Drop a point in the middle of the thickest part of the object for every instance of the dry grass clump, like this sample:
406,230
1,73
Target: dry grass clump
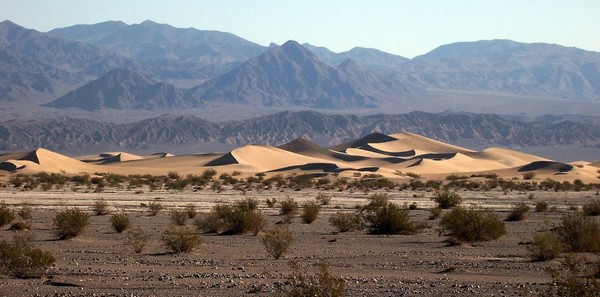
541,206
191,211
25,212
178,217
519,212
324,199
19,259
345,222
277,241
70,222
6,214
446,199
180,239
472,225
323,284
592,208
137,239
580,233
310,211
154,208
120,222
288,206
271,202
545,247
100,207
435,213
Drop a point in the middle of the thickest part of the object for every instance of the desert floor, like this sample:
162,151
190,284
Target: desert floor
99,262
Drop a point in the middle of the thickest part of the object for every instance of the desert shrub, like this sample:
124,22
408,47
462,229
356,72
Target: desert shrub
324,199
446,199
288,206
592,208
580,233
323,284
277,241
180,239
25,212
541,206
574,278
154,208
209,223
119,221
271,202
6,214
232,219
254,222
545,247
70,222
100,207
390,219
435,213
190,209
247,204
345,222
413,206
528,175
137,239
178,217
18,258
378,200
20,226
471,225
519,212
310,211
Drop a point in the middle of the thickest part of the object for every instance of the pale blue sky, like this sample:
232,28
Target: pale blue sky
406,28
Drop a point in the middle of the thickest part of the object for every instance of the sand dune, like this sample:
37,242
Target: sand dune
383,154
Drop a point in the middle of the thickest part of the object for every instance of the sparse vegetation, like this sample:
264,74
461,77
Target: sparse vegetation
323,284
70,222
574,278
180,239
100,207
137,239
155,208
233,219
545,247
324,199
25,212
19,259
541,206
120,221
277,241
471,225
435,213
592,208
345,222
528,175
310,211
580,233
271,202
389,219
178,216
446,199
288,206
6,214
519,212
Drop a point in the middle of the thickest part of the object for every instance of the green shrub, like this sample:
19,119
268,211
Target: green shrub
288,206
541,206
545,247
6,214
277,241
190,209
25,212
180,239
345,222
137,239
471,225
520,211
390,219
592,208
528,175
18,258
580,233
378,200
310,211
178,217
574,278
70,222
120,222
232,219
324,199
209,223
154,208
247,204
322,284
100,207
446,199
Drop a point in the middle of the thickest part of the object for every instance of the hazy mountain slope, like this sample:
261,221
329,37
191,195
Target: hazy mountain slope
88,33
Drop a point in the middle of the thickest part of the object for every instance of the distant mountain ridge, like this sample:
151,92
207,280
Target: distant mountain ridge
168,131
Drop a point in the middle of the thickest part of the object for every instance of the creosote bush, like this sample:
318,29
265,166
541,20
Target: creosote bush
435,213
288,206
277,241
580,233
324,199
178,217
25,212
100,207
271,202
119,221
323,284
545,247
137,239
389,219
70,222
239,218
154,208
18,258
519,212
180,239
446,199
541,206
310,211
345,222
574,278
191,211
592,208
6,214
471,225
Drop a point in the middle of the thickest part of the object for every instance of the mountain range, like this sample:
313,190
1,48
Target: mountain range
166,67
189,133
